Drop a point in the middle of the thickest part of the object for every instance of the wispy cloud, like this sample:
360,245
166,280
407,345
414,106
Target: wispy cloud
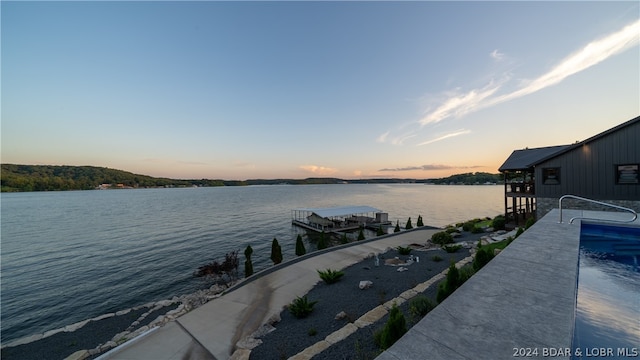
446,136
458,105
496,55
430,167
319,170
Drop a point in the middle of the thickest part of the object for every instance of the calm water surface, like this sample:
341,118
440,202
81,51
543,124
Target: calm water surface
70,256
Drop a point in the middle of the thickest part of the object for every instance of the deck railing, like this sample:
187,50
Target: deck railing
635,215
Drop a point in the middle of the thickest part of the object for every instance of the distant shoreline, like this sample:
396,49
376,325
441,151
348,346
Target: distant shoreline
31,178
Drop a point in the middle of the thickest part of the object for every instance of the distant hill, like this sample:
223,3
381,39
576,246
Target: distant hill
16,178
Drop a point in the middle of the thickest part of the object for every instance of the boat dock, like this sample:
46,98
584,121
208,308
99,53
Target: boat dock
339,219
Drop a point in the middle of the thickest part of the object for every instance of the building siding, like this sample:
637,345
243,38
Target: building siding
589,170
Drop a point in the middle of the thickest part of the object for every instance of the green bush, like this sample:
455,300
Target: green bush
529,223
276,252
420,306
344,239
465,273
300,250
393,330
519,232
498,222
468,226
408,225
442,238
330,276
361,235
483,256
248,264
404,250
476,230
312,332
379,232
397,228
301,307
322,242
452,248
436,258
450,284
450,230
419,222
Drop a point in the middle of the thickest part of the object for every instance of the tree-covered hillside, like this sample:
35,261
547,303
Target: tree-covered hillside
51,178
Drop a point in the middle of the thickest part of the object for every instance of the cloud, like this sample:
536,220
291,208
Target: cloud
430,167
319,170
496,55
459,104
456,104
446,136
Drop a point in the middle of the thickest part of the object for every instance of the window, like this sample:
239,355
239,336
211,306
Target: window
627,174
551,176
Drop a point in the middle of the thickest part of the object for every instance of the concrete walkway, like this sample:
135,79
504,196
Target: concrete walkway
212,330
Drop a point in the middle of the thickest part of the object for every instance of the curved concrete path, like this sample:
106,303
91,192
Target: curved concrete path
212,330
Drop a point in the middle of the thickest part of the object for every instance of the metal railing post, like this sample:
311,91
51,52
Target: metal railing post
635,215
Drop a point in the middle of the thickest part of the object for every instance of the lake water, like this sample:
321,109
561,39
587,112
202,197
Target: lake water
70,256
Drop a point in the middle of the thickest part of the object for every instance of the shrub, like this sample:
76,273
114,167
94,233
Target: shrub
221,272
393,330
436,258
468,226
465,273
451,229
452,248
476,230
248,265
397,228
450,284
300,250
404,250
408,225
344,239
483,256
330,276
519,232
322,242
442,238
276,252
419,222
301,307
379,232
312,332
361,235
420,306
529,223
498,222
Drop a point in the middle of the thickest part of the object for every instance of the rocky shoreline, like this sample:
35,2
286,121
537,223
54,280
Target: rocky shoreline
90,338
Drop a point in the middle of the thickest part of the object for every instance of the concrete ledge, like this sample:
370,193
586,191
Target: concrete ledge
524,298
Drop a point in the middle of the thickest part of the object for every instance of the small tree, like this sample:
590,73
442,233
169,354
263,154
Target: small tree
344,239
419,223
322,242
397,229
393,330
276,252
408,226
379,232
248,265
300,250
361,234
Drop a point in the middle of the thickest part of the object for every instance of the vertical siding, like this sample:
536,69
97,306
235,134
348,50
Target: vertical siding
589,170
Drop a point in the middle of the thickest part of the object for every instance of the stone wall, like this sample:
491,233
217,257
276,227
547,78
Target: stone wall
544,205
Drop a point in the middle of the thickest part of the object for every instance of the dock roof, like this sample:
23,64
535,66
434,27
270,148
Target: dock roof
340,210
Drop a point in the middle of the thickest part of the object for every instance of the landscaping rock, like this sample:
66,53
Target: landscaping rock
365,284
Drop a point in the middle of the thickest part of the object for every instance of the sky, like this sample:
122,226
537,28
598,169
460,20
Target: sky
354,90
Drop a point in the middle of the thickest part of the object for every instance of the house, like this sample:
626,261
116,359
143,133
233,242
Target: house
603,167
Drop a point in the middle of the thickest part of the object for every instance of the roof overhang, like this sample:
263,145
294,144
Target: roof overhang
340,211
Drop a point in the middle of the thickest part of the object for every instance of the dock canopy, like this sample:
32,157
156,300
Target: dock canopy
340,211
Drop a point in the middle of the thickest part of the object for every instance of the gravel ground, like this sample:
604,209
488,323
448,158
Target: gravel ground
90,336
293,335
